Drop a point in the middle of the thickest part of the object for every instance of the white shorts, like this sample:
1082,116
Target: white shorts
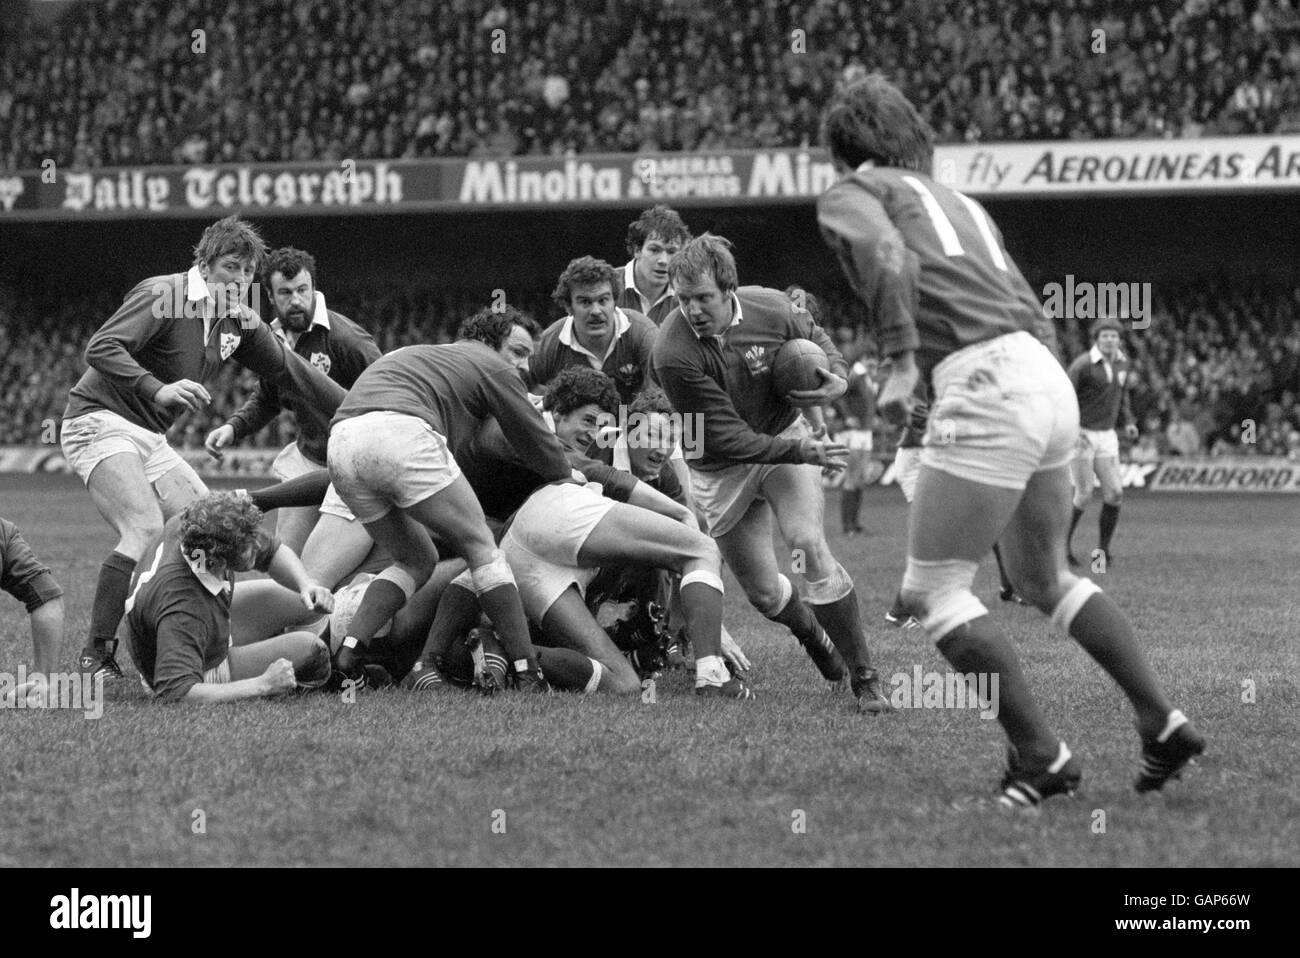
543,543
217,675
907,468
858,471
1097,444
91,438
1004,409
291,463
723,497
383,460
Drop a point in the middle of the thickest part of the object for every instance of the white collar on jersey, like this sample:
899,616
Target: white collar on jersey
629,282
320,316
621,325
199,567
1095,355
736,316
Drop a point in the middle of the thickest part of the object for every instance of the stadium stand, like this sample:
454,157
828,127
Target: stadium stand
120,82
1215,355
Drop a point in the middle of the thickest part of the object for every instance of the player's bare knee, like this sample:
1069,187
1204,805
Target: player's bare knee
1040,587
1112,497
939,593
809,548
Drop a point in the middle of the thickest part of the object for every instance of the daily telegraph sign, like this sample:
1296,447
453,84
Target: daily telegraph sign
726,178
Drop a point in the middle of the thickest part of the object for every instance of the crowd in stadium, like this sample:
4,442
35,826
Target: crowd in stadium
119,83
1215,356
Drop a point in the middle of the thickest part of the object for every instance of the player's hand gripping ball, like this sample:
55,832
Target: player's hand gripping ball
795,368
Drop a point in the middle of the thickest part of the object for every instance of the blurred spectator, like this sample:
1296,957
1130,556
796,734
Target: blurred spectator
1183,438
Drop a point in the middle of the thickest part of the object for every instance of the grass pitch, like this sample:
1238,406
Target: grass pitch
795,778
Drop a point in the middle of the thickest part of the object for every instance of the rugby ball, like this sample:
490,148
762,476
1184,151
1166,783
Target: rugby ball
796,365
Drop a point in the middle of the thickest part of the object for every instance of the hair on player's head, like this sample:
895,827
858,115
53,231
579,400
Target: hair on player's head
576,386
650,400
289,262
230,236
870,119
806,301
221,524
659,220
583,271
492,326
706,255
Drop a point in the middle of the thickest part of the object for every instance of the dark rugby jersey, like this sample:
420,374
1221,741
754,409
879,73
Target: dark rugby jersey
503,479
929,264
1103,396
158,336
336,346
727,379
22,575
177,623
454,388
627,362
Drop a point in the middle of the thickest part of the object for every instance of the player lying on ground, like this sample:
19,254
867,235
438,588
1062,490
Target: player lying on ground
332,343
561,534
148,364
29,581
651,441
391,460
177,622
1100,378
714,358
950,306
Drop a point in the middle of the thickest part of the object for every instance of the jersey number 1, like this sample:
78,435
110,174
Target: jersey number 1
947,233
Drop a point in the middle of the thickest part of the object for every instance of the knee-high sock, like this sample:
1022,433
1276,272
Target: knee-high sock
504,607
1074,521
798,616
457,613
380,603
566,669
306,490
1002,570
979,647
842,620
110,601
702,608
1106,524
1105,634
850,506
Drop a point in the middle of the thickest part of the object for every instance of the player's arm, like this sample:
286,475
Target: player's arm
504,397
260,351
358,352
648,497
835,380
1126,418
726,435
142,317
281,563
878,264
258,410
544,365
624,487
178,666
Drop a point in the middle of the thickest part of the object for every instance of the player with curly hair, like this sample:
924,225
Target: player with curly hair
177,622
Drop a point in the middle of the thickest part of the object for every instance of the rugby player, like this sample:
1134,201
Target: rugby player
29,581
148,364
561,534
950,306
653,238
332,343
714,358
177,622
392,459
1100,378
596,332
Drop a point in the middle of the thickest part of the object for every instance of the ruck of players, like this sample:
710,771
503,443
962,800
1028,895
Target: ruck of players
529,511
